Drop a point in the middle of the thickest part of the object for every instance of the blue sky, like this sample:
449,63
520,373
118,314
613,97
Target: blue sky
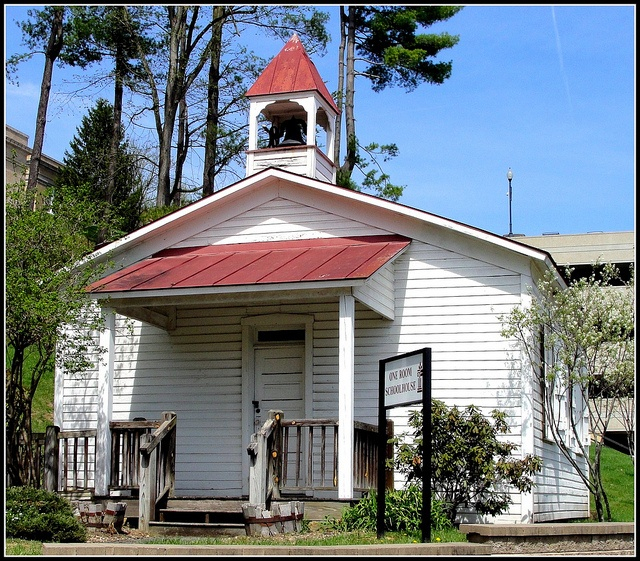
548,91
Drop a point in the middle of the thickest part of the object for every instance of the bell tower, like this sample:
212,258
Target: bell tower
292,117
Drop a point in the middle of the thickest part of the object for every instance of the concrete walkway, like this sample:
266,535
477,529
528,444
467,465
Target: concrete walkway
385,550
495,540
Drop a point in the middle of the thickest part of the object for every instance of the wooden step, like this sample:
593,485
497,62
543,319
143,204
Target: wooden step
196,529
210,517
200,516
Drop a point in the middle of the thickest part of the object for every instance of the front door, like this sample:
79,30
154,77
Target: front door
279,380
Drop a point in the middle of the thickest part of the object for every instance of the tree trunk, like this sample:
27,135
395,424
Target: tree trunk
341,69
120,69
350,122
19,450
181,151
182,41
213,101
177,23
54,47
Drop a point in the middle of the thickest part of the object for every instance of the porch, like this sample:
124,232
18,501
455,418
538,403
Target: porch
290,459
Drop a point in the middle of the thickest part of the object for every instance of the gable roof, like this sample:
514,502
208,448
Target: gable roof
291,261
291,71
388,216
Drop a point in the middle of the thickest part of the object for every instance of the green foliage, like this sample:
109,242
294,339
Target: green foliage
379,184
396,51
152,213
403,513
471,466
84,178
44,292
579,344
35,514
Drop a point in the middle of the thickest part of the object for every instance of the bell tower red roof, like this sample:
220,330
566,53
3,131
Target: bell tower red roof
291,71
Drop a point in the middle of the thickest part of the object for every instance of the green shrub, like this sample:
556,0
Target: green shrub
403,513
471,466
36,514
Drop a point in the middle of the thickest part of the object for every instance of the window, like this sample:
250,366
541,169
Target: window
281,335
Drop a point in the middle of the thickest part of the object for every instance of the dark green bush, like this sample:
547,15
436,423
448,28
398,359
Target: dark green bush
403,513
471,465
39,515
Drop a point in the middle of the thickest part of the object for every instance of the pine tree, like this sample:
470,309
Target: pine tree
85,177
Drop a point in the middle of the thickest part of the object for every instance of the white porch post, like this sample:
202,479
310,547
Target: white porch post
105,404
345,396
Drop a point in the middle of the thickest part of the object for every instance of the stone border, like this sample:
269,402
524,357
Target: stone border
552,538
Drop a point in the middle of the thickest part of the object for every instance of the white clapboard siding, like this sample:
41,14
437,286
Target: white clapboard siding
431,296
557,473
279,219
195,371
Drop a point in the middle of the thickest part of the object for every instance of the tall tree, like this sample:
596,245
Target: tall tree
580,345
108,33
68,36
45,30
225,139
43,292
91,174
389,41
195,37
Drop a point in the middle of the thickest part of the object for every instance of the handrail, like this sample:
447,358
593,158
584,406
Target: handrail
158,435
157,469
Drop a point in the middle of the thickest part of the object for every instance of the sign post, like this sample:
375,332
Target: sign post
405,380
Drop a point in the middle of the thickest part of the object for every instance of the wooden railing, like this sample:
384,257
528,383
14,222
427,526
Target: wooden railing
125,451
65,460
157,469
301,455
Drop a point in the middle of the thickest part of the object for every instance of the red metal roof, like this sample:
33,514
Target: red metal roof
291,71
256,263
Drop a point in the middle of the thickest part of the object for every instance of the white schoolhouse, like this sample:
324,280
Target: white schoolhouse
283,291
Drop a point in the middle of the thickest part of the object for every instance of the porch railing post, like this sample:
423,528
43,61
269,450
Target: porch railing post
170,477
51,451
257,472
264,472
275,454
147,494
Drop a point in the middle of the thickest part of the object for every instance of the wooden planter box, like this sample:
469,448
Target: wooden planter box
281,518
97,516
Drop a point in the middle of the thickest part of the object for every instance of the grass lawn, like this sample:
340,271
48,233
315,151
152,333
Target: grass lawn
24,547
618,481
42,406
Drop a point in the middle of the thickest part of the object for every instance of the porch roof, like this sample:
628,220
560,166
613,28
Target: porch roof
290,261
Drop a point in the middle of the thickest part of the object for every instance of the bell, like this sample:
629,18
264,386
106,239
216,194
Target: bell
293,132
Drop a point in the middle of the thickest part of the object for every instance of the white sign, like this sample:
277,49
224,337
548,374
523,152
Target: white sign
403,381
